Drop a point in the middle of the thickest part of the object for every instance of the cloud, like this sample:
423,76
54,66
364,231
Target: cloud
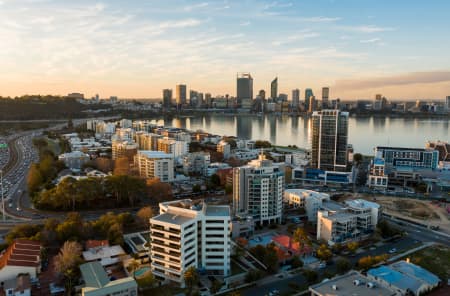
366,29
196,6
180,24
243,24
320,19
277,4
398,80
301,36
372,40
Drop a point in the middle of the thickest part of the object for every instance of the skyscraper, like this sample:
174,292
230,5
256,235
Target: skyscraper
258,190
193,96
329,140
167,98
447,103
312,104
325,96
181,94
244,87
262,94
274,89
308,94
295,97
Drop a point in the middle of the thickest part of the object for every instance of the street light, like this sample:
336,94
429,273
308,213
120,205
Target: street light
3,201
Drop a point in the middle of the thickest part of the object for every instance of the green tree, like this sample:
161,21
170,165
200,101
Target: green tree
324,253
190,278
134,265
343,265
296,262
34,178
270,258
352,247
67,263
144,215
196,188
26,231
215,180
71,229
311,275
301,237
357,158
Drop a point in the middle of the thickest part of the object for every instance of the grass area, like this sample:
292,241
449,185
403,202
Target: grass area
53,146
435,259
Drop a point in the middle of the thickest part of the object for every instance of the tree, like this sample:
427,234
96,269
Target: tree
144,216
270,258
215,180
27,231
311,275
296,262
196,188
343,265
67,262
121,166
352,246
324,253
134,265
158,191
357,158
34,178
71,229
301,237
190,278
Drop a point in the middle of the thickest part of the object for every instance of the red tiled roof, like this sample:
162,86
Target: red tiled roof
21,252
90,244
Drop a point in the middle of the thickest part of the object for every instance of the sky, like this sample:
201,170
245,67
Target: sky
135,48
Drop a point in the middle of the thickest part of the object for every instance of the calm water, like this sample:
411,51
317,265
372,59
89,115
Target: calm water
364,133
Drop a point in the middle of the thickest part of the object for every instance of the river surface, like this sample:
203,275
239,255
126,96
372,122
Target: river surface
365,133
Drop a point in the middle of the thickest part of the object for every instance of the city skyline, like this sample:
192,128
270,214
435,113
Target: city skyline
134,50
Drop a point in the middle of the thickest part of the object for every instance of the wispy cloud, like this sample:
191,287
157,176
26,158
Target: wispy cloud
319,19
191,22
402,79
243,24
277,4
372,40
366,29
196,6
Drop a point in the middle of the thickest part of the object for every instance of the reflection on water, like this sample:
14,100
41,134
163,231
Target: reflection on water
364,133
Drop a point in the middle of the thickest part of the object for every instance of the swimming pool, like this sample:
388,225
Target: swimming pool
141,271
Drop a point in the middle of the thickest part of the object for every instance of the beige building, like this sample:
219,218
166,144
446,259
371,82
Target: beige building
123,148
155,164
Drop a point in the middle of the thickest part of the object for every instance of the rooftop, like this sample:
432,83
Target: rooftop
102,252
352,283
154,154
416,271
395,278
95,278
361,204
217,210
172,218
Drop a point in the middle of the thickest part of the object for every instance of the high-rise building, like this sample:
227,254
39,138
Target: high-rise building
325,97
308,94
155,164
174,147
181,94
262,94
447,103
274,89
244,87
295,97
123,148
329,140
208,100
187,234
258,189
167,98
193,97
312,104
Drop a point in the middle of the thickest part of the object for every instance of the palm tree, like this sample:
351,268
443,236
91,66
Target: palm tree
190,278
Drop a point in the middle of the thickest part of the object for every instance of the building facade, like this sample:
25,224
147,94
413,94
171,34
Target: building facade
186,234
309,200
258,190
181,94
167,98
410,158
329,140
274,89
244,86
155,164
196,163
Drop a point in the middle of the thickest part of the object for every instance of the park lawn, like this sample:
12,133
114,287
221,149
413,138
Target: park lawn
435,259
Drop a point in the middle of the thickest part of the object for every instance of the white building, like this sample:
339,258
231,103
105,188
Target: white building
126,134
125,123
215,166
74,160
21,257
155,164
105,255
258,190
224,148
196,163
377,177
174,147
187,234
341,223
309,200
246,154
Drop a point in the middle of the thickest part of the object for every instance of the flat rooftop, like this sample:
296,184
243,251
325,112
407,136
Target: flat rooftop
345,286
217,210
155,154
172,218
361,204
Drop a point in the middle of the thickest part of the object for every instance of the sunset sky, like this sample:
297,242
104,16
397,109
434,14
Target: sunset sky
135,48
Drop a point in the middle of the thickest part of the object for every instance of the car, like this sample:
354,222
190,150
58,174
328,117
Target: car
18,209
392,251
322,265
274,292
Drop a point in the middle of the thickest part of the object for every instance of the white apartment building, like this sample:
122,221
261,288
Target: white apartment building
126,134
155,164
341,223
188,233
258,189
74,160
377,177
224,148
309,200
196,163
174,147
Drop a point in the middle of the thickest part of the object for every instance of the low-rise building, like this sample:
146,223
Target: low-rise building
123,148
21,257
224,148
309,200
74,160
19,286
196,163
377,177
104,254
216,166
242,227
318,176
405,278
174,147
188,233
351,283
98,283
155,164
245,154
340,223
